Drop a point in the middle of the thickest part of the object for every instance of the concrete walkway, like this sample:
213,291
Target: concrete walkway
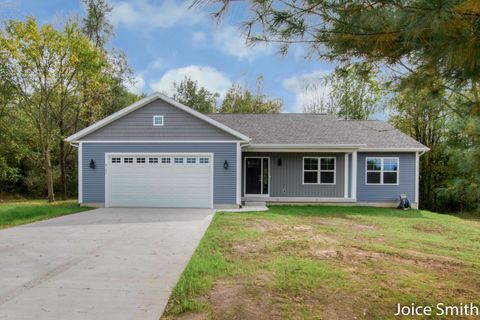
101,264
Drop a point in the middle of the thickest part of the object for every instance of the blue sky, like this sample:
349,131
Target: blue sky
166,40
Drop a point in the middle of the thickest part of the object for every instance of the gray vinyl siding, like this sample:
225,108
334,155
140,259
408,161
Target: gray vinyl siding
287,180
387,193
178,125
224,190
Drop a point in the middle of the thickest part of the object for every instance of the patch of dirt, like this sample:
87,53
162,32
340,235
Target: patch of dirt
432,229
362,227
235,301
192,316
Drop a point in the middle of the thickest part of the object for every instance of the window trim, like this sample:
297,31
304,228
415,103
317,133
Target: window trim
319,171
382,171
158,117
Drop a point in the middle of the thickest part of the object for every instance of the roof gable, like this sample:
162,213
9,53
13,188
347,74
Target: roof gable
135,123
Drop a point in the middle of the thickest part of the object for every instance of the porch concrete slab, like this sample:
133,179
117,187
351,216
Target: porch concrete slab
115,263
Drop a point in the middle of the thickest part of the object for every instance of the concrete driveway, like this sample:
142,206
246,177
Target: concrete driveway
102,264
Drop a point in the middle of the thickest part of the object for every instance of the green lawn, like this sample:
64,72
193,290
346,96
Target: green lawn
16,213
327,262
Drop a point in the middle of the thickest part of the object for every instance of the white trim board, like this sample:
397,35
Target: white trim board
80,173
161,141
145,101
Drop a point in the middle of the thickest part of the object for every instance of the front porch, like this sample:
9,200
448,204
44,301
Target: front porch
299,177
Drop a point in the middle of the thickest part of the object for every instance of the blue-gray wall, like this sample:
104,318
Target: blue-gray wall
224,191
287,180
386,193
178,125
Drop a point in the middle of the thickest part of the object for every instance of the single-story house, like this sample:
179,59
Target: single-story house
160,153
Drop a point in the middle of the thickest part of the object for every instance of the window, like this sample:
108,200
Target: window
203,160
116,160
381,171
327,170
319,170
310,170
127,160
191,160
140,160
178,160
158,121
165,160
152,160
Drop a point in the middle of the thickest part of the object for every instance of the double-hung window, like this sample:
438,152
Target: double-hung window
319,170
381,170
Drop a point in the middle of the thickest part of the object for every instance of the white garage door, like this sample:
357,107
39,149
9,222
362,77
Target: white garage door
159,180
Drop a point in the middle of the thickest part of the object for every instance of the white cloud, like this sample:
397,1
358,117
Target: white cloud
208,77
231,41
199,36
309,89
158,63
137,85
142,14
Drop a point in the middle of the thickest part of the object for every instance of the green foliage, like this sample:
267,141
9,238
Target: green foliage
95,24
198,98
355,93
241,100
46,69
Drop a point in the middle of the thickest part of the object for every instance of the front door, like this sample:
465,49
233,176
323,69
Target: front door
257,176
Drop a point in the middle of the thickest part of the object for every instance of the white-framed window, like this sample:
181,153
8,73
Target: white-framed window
158,121
203,160
191,160
381,170
319,170
127,160
152,160
166,160
116,160
178,160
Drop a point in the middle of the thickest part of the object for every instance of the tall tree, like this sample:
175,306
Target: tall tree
421,110
354,92
191,94
96,24
46,69
241,100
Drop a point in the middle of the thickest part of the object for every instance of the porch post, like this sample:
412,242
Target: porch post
345,189
239,174
354,175
417,177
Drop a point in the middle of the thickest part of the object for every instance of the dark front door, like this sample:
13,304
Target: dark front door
256,176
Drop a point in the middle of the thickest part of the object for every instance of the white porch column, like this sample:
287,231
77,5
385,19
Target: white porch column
345,189
354,175
80,172
239,174
417,177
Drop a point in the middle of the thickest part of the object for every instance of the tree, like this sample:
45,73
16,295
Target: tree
354,92
46,68
198,98
422,112
96,25
240,100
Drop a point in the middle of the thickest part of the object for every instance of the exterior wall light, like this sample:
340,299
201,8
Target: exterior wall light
225,165
92,164
279,162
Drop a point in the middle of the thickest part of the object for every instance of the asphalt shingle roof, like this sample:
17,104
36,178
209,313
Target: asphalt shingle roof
291,128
